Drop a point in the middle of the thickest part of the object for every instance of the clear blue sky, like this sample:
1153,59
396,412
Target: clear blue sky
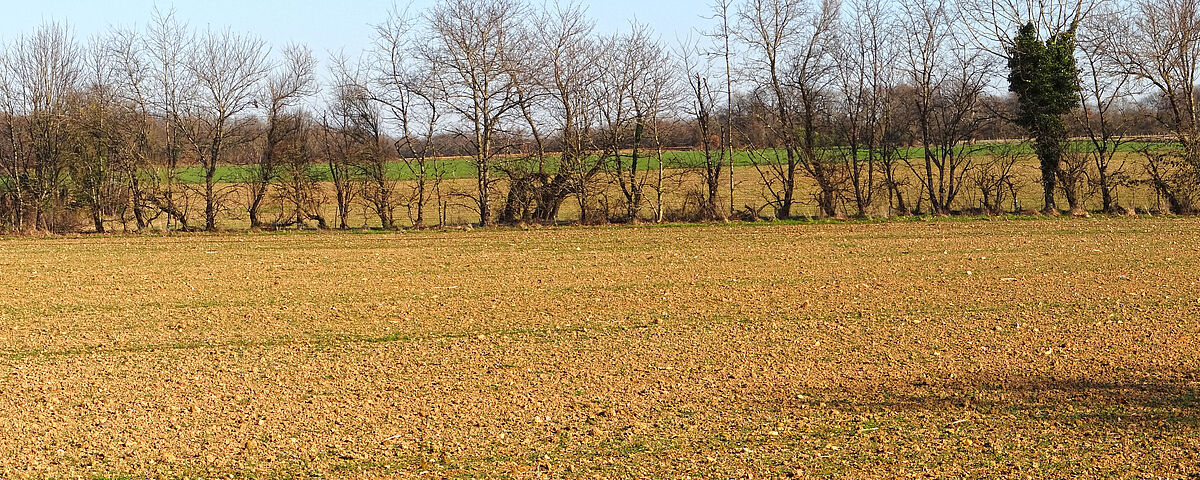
324,25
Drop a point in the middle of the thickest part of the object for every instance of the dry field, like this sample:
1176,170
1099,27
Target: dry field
679,183
1052,348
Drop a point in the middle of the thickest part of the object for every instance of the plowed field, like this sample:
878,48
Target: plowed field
1052,348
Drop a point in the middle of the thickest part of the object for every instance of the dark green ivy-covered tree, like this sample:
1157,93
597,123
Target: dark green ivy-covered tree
1043,75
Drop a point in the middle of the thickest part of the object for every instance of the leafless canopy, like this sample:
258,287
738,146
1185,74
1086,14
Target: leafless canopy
507,111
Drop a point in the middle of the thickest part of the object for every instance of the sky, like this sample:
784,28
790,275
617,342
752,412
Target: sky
324,25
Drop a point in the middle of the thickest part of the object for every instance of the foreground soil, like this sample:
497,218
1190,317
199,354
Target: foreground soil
1053,348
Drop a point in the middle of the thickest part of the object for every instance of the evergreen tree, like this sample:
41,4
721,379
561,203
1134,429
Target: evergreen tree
1043,75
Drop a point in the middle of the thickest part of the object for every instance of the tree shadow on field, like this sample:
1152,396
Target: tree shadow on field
1016,426
1152,402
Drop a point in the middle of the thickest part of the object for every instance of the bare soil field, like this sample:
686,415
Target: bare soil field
1048,349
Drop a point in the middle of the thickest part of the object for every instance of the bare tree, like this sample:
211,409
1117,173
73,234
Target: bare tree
97,143
1161,48
789,58
340,144
1104,91
992,25
288,85
380,183
558,54
133,84
995,178
162,97
226,69
708,130
863,131
723,11
948,78
41,72
470,44
631,67
300,182
368,151
569,82
405,86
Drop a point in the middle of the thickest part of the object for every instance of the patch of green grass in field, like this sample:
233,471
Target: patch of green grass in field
463,167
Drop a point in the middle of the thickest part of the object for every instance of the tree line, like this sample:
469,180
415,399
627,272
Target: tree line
878,105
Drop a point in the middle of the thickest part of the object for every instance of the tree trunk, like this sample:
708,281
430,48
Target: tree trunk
1050,154
253,210
97,219
784,211
1106,193
210,203
485,190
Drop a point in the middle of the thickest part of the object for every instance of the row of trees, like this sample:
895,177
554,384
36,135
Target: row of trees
878,104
